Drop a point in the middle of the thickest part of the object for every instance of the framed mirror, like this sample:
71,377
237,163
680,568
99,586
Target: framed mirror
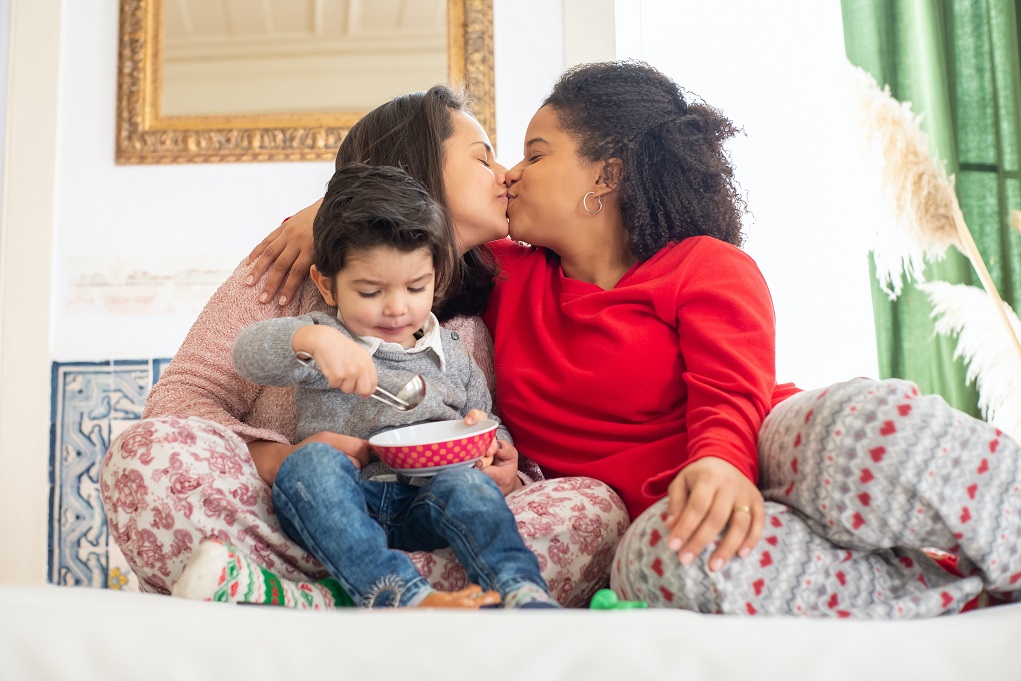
189,70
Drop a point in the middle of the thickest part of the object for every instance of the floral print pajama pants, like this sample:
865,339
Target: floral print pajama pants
863,482
168,483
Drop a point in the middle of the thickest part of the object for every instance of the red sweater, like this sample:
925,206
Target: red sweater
629,385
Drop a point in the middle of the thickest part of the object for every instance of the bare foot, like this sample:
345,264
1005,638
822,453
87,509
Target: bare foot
471,597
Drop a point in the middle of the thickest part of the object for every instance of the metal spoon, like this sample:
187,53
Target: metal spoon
408,397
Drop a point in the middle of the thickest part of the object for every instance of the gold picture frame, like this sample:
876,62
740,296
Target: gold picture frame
145,136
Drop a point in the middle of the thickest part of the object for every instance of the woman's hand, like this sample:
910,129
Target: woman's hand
287,254
501,460
503,468
268,456
707,496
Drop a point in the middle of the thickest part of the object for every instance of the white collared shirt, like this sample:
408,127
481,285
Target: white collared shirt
430,340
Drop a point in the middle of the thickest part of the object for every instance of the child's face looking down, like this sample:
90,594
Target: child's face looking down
385,293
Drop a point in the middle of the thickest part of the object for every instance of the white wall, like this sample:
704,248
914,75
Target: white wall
777,70
163,221
529,55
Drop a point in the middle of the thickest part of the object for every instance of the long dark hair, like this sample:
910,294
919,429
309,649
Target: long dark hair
409,132
677,177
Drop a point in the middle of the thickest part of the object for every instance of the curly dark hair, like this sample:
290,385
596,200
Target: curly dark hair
677,179
366,207
408,132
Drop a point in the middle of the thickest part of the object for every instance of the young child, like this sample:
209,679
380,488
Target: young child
382,248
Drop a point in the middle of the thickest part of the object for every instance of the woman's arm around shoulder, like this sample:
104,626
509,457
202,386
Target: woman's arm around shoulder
284,257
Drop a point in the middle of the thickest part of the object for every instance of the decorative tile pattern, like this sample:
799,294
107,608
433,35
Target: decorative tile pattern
91,403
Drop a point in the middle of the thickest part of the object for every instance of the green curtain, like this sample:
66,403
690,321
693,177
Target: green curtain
957,63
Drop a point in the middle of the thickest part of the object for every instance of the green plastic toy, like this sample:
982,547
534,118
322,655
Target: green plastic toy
605,599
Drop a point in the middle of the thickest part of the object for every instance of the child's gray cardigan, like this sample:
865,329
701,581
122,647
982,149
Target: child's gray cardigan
263,354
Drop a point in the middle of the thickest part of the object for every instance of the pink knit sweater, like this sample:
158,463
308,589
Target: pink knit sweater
200,381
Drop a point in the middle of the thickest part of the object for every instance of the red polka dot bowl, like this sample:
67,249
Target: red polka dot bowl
425,448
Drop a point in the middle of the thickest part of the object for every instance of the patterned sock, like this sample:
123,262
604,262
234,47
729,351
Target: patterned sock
219,572
529,596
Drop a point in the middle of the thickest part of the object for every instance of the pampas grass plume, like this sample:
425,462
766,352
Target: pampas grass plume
921,195
992,360
914,182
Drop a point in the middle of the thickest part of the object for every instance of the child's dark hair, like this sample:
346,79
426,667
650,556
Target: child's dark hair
409,132
677,178
366,207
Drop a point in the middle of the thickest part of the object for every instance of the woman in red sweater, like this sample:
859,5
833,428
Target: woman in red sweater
634,343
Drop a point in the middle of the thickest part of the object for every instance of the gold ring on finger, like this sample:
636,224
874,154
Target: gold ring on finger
742,509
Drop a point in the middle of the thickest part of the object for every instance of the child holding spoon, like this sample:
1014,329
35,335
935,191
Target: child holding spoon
382,250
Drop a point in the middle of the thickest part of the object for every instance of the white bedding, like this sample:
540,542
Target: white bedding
64,633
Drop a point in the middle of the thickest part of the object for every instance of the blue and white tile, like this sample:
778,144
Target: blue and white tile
91,403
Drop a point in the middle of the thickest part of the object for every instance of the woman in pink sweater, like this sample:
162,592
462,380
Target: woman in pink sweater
200,464
634,343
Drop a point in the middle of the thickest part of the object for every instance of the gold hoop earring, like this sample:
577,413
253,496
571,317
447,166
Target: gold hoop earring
584,203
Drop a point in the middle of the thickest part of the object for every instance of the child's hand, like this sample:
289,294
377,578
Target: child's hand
501,459
346,366
474,416
708,496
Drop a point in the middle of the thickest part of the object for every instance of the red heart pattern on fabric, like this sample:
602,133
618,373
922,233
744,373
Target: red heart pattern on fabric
854,444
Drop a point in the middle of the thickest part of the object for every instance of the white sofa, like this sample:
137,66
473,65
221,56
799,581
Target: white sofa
67,633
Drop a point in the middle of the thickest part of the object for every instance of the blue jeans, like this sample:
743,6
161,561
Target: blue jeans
355,526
